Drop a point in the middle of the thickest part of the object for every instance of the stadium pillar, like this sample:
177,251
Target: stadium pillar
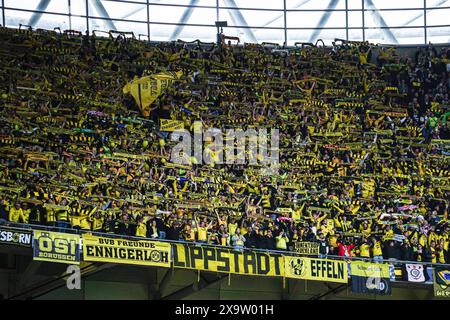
346,20
163,284
425,21
3,13
87,16
363,21
28,274
285,24
331,290
148,20
193,288
70,14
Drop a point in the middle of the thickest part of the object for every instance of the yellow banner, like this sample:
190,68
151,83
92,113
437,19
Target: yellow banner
217,259
441,282
141,252
146,90
303,247
170,125
369,270
56,247
316,269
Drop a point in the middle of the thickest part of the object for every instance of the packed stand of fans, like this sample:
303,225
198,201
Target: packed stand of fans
364,146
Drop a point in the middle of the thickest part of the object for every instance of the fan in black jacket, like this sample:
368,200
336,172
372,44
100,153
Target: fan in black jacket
173,231
407,252
269,241
391,250
250,238
260,242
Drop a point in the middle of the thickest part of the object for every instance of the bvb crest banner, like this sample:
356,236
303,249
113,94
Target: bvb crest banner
141,252
316,269
442,282
226,260
56,247
146,90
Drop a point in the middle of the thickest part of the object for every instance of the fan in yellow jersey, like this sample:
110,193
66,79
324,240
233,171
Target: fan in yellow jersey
362,147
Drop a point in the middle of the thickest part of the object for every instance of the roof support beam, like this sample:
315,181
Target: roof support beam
192,288
36,16
296,6
163,284
184,19
53,283
380,21
323,20
129,14
104,14
439,3
336,290
239,18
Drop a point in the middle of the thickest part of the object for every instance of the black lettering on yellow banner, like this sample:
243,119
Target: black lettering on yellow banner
304,247
170,125
263,263
142,252
226,260
316,269
221,257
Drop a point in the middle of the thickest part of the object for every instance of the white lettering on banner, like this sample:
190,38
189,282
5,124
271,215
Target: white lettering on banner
375,283
74,280
15,237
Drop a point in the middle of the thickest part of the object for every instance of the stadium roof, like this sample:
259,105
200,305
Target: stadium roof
379,21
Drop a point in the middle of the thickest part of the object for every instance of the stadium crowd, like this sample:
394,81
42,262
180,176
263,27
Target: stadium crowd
364,144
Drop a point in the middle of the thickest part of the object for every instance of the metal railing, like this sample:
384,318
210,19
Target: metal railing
27,227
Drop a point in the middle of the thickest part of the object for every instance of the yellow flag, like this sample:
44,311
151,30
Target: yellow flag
170,125
147,89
